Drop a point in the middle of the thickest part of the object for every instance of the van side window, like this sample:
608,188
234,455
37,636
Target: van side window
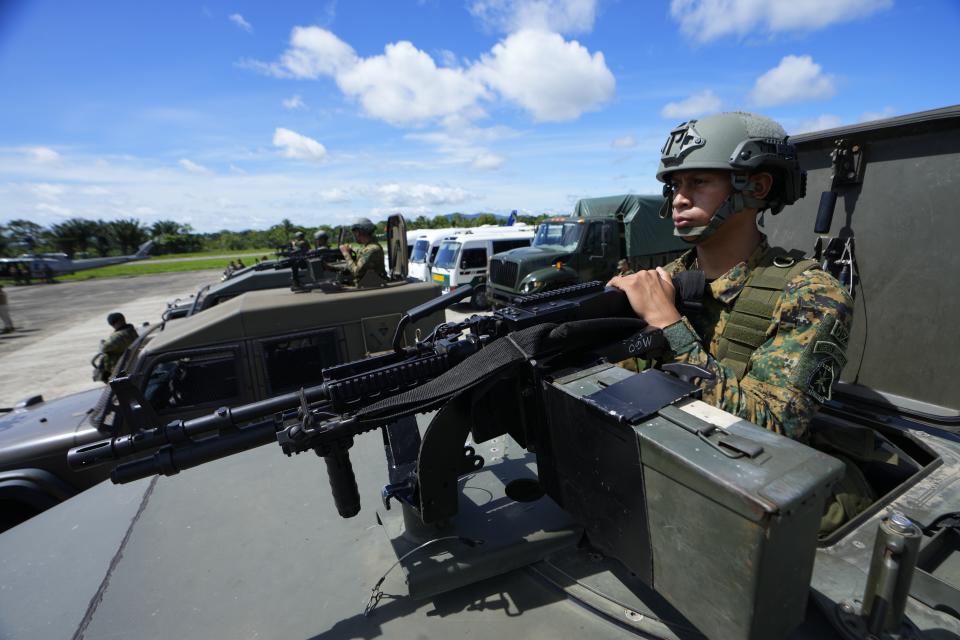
193,380
473,259
297,362
499,246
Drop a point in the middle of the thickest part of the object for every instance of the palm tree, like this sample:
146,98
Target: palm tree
129,234
72,235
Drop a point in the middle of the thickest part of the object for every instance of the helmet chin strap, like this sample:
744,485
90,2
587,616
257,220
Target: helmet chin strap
735,203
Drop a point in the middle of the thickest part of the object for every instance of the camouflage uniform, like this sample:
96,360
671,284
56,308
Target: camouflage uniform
789,374
114,346
369,260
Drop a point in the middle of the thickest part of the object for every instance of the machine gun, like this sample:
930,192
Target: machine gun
286,259
633,458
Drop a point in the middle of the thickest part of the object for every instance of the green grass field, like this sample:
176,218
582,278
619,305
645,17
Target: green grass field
269,252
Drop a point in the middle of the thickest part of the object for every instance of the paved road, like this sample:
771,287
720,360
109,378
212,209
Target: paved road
226,256
59,327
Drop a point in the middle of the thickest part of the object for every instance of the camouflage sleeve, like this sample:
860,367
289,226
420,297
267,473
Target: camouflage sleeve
790,373
359,266
114,345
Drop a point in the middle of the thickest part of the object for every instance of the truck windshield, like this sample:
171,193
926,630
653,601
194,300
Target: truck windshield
420,251
447,256
562,236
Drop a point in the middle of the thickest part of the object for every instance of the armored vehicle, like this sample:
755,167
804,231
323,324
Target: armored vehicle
587,501
586,246
265,275
254,346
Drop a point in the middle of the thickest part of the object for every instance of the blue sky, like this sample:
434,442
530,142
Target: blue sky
237,114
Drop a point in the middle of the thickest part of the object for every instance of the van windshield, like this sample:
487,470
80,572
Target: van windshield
447,256
420,250
562,236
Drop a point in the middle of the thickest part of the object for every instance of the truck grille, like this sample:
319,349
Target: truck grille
503,273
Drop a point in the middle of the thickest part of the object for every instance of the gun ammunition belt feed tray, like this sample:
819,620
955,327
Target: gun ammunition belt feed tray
712,511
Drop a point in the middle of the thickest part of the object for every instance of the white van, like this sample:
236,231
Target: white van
463,257
426,242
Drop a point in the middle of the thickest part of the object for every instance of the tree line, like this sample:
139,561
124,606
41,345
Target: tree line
79,237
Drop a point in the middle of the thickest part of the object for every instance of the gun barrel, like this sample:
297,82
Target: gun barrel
171,460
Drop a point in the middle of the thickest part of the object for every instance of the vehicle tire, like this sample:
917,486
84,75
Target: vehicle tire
479,300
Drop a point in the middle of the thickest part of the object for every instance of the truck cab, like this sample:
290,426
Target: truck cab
586,246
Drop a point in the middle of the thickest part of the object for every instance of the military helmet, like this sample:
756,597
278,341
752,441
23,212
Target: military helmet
740,142
321,234
362,224
298,235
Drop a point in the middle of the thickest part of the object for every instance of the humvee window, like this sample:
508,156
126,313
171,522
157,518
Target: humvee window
297,362
193,380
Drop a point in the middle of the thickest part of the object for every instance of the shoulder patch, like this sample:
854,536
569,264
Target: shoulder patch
820,383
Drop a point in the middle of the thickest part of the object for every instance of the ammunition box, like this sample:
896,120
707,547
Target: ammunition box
716,514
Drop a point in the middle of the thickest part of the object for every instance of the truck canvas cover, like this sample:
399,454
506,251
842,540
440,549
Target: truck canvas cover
646,233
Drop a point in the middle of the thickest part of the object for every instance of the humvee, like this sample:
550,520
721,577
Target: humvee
251,347
245,545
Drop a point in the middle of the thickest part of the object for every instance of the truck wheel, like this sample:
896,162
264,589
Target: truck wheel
479,300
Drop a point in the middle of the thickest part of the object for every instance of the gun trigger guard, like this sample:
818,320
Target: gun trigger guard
687,372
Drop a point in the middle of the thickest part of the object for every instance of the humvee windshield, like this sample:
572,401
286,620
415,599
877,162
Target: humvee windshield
562,236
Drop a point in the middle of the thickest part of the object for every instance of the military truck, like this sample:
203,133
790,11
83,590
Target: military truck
265,275
689,537
251,347
586,245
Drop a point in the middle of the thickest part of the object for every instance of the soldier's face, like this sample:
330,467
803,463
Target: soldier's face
697,195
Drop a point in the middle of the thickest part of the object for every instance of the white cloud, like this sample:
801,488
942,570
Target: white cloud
192,166
94,191
628,141
488,161
448,58
825,121
564,16
706,20
886,112
47,191
404,86
298,146
696,105
239,20
335,194
552,78
55,209
795,79
399,195
42,155
294,102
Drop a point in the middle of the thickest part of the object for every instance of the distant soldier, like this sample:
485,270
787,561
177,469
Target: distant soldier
623,268
298,247
321,240
367,267
4,312
47,273
240,264
113,347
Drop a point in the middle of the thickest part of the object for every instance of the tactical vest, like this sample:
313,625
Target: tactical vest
752,313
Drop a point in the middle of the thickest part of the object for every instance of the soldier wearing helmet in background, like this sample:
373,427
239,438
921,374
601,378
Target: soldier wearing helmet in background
773,327
367,268
321,240
299,247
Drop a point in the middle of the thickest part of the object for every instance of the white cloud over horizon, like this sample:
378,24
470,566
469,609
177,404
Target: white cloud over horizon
239,20
795,79
708,20
699,104
551,78
628,141
401,195
562,16
192,166
298,146
294,103
488,161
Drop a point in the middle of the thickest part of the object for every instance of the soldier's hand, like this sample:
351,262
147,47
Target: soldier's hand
651,295
345,250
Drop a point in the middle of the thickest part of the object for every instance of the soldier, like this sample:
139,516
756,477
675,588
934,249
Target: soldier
113,347
773,328
5,313
321,240
299,247
367,268
623,268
